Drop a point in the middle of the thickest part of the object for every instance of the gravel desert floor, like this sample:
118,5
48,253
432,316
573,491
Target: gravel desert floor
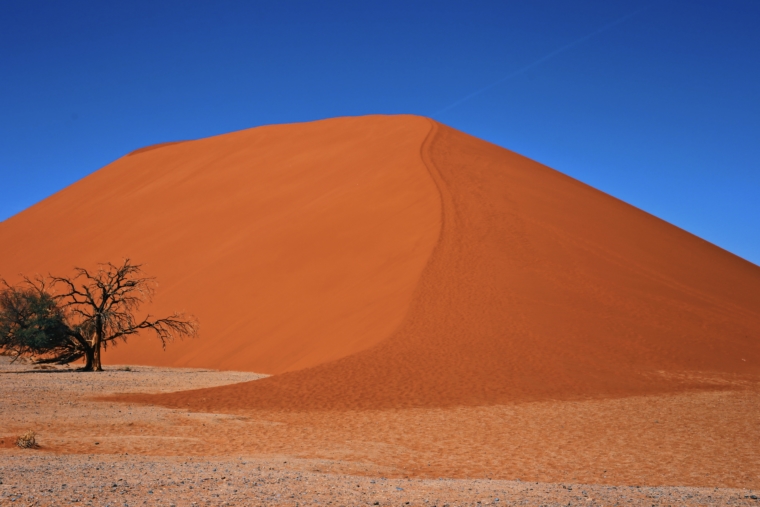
689,449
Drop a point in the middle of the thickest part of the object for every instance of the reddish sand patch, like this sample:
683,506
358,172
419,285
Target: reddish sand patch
292,244
539,287
694,438
8,442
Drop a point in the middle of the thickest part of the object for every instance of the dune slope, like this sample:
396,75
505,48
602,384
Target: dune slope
538,287
292,244
385,262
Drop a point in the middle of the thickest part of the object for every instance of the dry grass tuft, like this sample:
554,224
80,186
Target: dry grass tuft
28,440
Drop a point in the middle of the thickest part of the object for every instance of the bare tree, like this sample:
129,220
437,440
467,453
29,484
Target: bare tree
98,309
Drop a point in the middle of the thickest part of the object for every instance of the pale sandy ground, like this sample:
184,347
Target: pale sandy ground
115,480
102,453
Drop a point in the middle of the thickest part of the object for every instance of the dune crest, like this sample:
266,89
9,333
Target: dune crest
388,262
539,287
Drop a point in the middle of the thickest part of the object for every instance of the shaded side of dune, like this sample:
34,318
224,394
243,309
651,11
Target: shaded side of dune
539,287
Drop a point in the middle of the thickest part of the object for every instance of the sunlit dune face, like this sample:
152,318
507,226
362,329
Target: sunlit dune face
293,245
389,262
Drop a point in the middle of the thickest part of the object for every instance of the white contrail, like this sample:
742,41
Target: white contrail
538,62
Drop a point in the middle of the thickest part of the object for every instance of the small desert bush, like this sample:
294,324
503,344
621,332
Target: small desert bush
27,440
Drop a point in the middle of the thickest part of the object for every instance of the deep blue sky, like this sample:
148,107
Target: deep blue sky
657,103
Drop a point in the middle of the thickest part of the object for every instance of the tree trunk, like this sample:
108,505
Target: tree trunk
77,336
96,356
97,340
88,359
96,343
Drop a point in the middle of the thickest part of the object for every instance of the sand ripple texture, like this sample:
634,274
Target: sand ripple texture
594,452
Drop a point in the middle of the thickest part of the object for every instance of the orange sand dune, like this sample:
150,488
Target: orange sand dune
386,262
538,287
293,244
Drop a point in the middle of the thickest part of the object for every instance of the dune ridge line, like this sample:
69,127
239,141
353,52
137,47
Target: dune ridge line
539,287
